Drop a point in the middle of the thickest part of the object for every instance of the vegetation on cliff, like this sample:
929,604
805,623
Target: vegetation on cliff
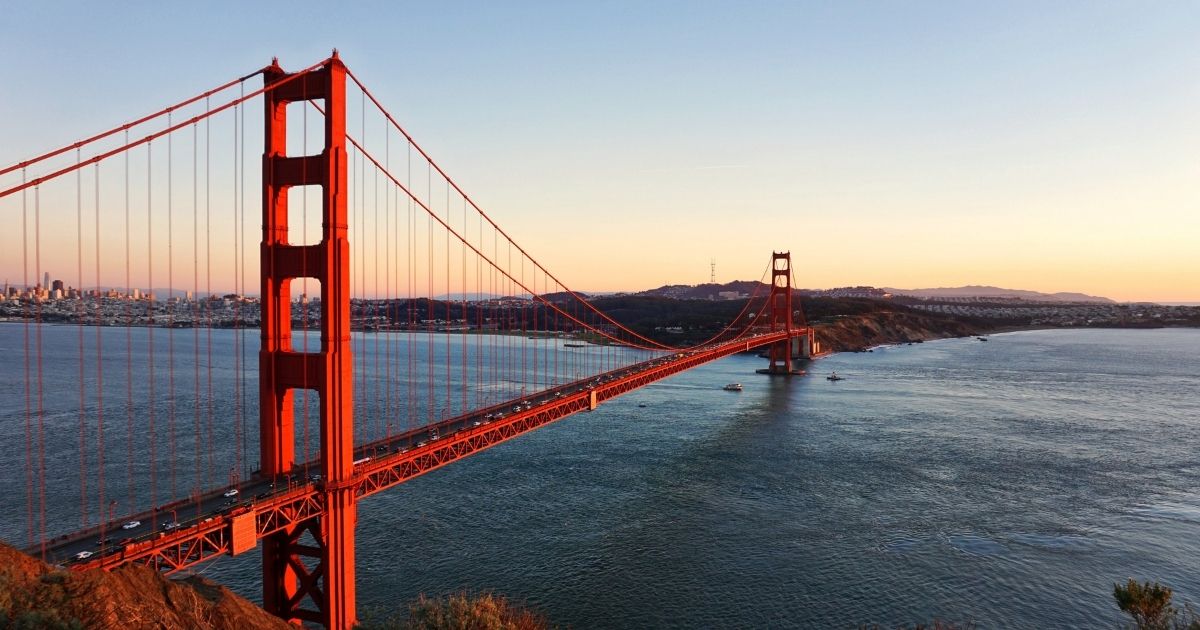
460,611
1149,604
35,595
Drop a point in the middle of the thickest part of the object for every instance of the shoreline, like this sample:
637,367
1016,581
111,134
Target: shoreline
909,334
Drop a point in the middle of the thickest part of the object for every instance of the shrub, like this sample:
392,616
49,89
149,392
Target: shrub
1150,606
461,612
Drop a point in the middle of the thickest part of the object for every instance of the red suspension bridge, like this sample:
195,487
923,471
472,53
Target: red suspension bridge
144,380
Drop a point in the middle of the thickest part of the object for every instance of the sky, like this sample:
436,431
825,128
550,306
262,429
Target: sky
1032,145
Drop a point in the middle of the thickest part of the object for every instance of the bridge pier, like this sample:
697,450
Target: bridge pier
798,350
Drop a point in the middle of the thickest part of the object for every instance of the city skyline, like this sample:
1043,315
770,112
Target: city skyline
1025,146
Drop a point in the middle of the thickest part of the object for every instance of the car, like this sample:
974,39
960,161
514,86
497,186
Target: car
103,541
232,492
169,526
83,555
476,423
132,525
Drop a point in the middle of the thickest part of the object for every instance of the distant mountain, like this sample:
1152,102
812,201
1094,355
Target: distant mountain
997,292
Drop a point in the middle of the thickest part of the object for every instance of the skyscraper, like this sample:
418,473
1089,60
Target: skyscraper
46,280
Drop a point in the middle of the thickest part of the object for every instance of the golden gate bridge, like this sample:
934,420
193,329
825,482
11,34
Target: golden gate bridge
142,205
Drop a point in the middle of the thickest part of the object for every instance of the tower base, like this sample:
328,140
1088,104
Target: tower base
779,372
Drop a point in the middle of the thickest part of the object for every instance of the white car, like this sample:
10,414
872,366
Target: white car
169,526
232,492
83,555
132,525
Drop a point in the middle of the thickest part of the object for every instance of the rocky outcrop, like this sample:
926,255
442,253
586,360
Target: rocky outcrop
34,594
850,333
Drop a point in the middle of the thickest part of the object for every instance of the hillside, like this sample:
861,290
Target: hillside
858,332
35,595
976,291
843,324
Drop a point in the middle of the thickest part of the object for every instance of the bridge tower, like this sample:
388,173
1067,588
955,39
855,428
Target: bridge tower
308,569
780,305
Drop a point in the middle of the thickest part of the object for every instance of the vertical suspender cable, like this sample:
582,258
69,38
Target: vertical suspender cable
193,306
242,375
449,315
387,288
152,398
41,409
83,495
360,226
101,490
170,307
410,277
375,330
466,321
524,337
29,492
237,313
208,299
128,345
430,411
479,302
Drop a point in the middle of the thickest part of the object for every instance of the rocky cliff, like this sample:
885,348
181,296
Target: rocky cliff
850,333
36,595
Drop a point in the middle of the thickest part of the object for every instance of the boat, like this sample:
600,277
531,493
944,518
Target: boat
982,338
834,377
575,345
733,387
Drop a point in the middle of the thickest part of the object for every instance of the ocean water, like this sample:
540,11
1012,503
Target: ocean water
1009,483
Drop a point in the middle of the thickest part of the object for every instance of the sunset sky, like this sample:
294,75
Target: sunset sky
1031,145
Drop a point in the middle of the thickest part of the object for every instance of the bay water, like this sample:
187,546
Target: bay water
1009,483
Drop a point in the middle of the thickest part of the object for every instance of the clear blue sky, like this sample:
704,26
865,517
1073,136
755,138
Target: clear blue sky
1042,145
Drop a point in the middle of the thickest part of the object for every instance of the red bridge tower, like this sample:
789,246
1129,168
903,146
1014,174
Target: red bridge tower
308,569
780,305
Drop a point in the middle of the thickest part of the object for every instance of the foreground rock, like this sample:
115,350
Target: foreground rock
36,595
